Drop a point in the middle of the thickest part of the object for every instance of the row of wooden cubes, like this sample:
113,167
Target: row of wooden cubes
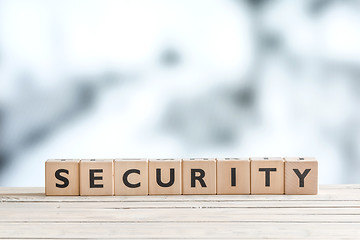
91,177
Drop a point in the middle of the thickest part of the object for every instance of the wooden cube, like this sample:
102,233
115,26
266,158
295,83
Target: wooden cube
233,176
301,176
165,177
96,177
62,177
199,176
267,175
131,176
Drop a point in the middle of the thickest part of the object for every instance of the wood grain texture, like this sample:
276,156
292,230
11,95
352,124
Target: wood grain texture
135,172
199,176
168,173
301,176
96,177
233,176
267,175
334,213
67,170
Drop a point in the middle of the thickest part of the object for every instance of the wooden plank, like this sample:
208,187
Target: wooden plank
187,204
179,215
327,193
41,190
334,213
179,230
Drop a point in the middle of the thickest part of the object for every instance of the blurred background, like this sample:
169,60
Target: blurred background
179,78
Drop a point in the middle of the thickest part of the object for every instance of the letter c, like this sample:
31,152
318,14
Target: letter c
125,178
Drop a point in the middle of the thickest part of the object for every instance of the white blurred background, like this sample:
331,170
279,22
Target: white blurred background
179,78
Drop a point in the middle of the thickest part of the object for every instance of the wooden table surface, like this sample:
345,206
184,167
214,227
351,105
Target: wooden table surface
334,213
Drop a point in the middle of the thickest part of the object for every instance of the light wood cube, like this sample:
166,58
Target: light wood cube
62,177
131,176
301,176
165,177
96,177
233,176
267,175
199,176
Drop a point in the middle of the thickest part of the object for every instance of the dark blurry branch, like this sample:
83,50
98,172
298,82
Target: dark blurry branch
36,115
